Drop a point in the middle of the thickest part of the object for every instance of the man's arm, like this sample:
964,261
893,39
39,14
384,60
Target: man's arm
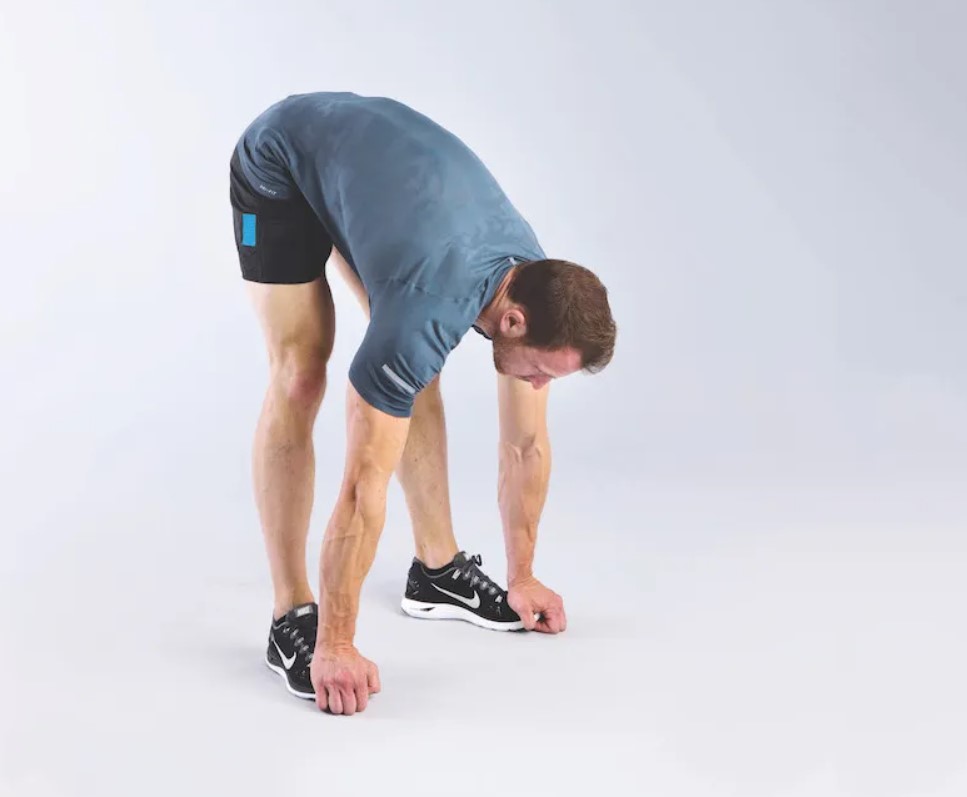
525,470
374,444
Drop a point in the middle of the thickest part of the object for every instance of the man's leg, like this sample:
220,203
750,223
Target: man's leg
422,471
299,326
423,474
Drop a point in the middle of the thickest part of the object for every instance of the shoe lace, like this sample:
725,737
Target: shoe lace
472,573
299,641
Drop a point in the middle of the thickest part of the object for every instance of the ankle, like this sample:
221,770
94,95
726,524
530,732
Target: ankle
285,602
435,558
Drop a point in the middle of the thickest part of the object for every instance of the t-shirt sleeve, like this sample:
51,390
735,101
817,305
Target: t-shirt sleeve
410,336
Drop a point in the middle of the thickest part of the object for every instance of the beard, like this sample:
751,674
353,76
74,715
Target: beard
502,351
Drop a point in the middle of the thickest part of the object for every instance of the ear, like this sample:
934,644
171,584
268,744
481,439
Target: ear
513,323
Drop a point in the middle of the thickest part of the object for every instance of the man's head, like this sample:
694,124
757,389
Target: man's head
556,320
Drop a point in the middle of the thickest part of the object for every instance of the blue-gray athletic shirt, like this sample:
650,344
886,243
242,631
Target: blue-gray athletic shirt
416,214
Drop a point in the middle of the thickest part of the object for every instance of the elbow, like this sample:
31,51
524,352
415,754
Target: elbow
527,448
364,493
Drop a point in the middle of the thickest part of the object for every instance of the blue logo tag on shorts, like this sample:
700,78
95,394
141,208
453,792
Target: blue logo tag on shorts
248,229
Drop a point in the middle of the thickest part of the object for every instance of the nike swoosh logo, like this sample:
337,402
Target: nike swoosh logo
473,604
286,660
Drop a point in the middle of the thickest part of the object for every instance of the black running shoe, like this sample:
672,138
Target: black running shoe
292,639
458,591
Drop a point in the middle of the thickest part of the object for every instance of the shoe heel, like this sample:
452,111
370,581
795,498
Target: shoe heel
416,608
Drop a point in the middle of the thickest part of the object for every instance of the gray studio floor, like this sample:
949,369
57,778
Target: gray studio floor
716,646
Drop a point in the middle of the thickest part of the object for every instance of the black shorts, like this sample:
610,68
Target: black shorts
279,241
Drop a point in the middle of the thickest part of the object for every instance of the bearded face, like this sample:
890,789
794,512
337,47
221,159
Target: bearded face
504,354
533,365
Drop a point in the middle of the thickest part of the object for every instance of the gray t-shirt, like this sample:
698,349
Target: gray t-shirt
416,214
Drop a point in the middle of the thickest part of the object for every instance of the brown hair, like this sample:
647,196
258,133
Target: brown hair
566,306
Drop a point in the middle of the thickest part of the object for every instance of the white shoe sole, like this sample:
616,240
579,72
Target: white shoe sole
446,611
285,679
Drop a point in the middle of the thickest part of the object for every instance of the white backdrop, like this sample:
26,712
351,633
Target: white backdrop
757,511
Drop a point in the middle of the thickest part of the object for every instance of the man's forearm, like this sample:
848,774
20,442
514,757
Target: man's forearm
347,554
525,470
374,443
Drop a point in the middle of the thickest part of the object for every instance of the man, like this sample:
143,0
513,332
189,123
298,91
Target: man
433,248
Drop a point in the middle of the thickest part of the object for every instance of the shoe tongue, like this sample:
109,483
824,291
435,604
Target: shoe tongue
303,610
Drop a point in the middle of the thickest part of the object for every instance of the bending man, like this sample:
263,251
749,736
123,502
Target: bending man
433,248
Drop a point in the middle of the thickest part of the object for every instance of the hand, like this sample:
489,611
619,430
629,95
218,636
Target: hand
528,597
343,680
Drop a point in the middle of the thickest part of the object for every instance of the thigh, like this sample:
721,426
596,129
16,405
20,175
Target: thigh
298,320
352,281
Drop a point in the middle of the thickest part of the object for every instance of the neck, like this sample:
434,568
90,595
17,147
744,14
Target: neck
489,318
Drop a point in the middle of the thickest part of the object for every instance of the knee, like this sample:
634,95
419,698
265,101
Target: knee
299,376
